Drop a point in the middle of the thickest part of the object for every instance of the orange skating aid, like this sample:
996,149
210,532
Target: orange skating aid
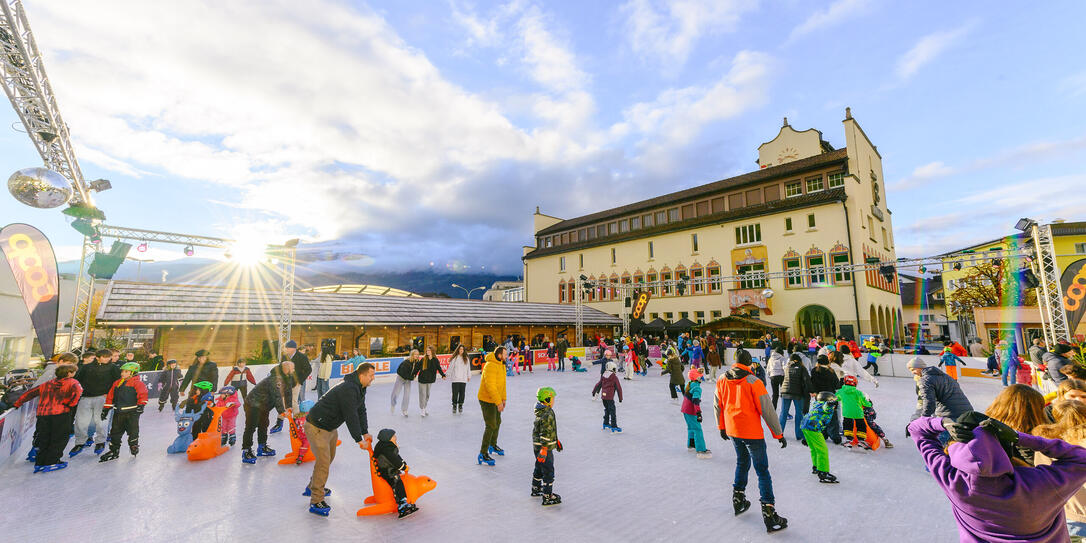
298,442
208,444
383,501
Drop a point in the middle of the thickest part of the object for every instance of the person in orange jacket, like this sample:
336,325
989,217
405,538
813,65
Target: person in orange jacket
741,403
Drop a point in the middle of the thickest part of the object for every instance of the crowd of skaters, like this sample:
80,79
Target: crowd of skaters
1021,454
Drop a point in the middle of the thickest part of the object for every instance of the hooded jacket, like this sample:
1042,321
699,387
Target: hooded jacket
409,369
345,402
675,369
818,417
994,501
939,395
545,428
609,385
776,365
691,399
492,381
127,394
58,396
824,379
740,400
1054,362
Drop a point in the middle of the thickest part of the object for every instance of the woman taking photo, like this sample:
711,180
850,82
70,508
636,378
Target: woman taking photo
428,370
460,373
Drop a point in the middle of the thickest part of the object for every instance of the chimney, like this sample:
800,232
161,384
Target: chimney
848,113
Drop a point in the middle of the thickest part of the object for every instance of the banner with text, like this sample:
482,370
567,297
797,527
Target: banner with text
34,265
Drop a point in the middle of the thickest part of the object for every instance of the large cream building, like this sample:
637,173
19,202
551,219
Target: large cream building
808,207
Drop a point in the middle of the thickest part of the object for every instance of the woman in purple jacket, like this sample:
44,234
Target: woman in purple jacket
994,500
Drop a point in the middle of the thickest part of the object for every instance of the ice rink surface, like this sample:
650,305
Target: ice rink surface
640,485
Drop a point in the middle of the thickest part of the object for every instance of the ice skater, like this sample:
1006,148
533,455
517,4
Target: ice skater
492,403
951,361
674,368
691,410
95,379
814,423
386,453
405,375
607,387
228,397
545,443
853,401
59,398
273,392
127,398
170,379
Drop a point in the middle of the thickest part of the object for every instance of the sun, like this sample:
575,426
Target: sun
248,250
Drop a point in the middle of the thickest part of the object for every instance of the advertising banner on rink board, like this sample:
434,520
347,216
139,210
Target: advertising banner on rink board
1073,292
34,266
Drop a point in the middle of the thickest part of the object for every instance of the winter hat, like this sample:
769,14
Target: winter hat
916,364
202,352
386,434
611,366
694,374
850,380
743,357
171,361
291,344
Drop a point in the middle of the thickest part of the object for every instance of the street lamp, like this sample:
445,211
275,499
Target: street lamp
467,293
139,266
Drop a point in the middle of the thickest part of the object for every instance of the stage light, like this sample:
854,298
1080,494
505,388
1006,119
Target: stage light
189,251
98,185
142,247
1024,224
957,266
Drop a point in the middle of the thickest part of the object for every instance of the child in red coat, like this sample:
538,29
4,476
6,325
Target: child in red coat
228,397
609,385
127,396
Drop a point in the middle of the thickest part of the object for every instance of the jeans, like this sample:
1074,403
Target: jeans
87,416
492,418
775,382
322,387
749,451
693,431
786,402
1011,373
610,417
404,384
458,393
323,444
1077,531
833,429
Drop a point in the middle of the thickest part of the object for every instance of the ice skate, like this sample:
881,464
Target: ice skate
886,443
485,458
460,408
826,477
606,426
53,467
425,413
32,455
264,450
616,429
740,503
705,454
327,491
161,406
405,413
111,455
99,448
537,488
552,499
233,439
134,448
497,450
406,509
76,450
320,508
277,428
248,457
773,521
865,446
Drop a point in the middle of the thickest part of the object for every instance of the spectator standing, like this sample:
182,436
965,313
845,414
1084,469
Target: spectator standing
202,369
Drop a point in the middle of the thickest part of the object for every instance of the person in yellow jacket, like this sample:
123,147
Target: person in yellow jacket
492,401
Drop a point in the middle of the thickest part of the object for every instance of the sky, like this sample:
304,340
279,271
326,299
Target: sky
410,134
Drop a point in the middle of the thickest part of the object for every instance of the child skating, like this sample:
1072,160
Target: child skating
171,385
691,410
814,422
853,401
609,385
56,411
545,443
126,397
389,466
299,430
227,397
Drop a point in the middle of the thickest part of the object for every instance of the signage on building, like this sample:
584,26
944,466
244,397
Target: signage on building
1073,289
749,297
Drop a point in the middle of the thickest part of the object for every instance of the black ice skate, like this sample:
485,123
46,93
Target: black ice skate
827,477
773,521
407,509
552,499
248,457
739,501
76,450
134,448
111,455
537,488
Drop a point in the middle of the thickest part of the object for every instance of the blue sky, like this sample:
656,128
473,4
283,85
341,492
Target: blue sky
414,132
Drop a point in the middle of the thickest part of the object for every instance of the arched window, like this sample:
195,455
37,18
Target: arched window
665,275
839,260
816,268
601,289
614,291
697,275
680,271
570,295
562,291
652,277
792,264
638,277
593,293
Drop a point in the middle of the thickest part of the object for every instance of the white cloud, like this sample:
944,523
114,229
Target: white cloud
929,48
835,13
923,175
1028,154
668,30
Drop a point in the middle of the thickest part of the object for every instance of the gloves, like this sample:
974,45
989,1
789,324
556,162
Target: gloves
961,430
699,417
559,446
105,413
783,442
724,434
542,455
1006,434
139,409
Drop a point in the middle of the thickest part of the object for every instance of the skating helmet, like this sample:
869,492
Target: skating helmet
850,380
227,391
827,397
208,397
133,367
203,385
545,395
694,374
305,406
611,366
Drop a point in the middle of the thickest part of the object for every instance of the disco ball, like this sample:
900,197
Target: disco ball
767,293
40,187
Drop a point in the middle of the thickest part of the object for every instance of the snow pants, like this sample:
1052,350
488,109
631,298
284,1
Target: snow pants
124,422
820,454
693,431
543,474
53,437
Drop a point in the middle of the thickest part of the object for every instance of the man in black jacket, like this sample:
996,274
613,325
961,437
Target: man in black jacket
345,403
274,392
201,369
96,379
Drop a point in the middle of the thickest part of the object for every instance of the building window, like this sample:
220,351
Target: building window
714,278
565,239
570,286
651,253
590,233
694,242
717,204
613,255
814,184
684,314
580,257
817,270
751,233
688,212
795,188
717,315
673,215
651,278
793,273
871,227
647,220
549,241
841,273
601,231
703,208
1080,248
696,274
810,220
561,263
561,293
788,224
699,317
836,180
612,228
653,316
661,217
635,223
885,239
668,316
573,237
624,225
638,279
666,277
752,276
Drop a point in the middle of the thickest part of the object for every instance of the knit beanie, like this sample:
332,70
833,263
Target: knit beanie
386,434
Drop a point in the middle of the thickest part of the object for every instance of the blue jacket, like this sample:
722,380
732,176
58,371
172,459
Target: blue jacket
818,417
950,359
695,352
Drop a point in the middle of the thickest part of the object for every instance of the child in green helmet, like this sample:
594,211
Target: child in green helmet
127,397
545,443
199,395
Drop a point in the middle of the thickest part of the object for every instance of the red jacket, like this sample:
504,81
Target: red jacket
58,396
248,375
127,394
609,385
